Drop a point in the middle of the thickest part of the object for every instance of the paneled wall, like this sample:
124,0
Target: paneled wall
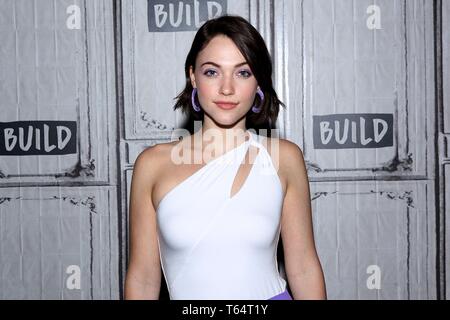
85,86
374,204
58,200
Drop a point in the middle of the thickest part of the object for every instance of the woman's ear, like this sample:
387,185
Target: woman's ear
192,76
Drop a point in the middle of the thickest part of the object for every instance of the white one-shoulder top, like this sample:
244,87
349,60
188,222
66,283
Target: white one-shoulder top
216,247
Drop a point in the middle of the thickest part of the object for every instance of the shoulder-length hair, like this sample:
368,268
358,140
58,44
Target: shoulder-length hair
252,46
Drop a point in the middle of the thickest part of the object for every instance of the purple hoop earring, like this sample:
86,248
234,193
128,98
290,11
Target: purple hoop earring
194,105
256,109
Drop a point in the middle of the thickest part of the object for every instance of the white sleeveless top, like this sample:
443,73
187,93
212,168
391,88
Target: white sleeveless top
216,247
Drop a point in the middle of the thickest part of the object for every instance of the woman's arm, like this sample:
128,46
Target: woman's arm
303,269
143,279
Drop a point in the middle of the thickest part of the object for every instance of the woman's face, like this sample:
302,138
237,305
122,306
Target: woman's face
222,75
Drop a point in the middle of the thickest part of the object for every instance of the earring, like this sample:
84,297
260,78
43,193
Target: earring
261,95
194,105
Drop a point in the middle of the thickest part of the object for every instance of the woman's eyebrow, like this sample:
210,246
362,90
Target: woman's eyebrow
218,66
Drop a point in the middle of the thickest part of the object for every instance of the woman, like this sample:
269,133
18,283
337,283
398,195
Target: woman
213,226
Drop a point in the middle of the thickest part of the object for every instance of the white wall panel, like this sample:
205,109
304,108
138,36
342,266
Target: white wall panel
384,224
337,65
52,73
46,230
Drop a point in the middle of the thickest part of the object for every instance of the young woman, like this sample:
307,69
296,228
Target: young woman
213,225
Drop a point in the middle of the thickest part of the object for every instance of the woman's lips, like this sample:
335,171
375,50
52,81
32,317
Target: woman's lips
226,106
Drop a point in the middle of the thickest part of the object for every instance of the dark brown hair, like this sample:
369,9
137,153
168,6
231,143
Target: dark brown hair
252,46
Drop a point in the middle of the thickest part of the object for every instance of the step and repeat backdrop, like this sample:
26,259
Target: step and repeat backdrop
86,85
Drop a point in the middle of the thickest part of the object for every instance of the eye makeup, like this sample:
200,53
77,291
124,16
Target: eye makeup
247,73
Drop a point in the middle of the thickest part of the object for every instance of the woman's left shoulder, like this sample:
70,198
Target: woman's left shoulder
287,157
285,151
290,152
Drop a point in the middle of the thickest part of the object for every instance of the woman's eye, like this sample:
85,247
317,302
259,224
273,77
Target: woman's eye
245,73
208,72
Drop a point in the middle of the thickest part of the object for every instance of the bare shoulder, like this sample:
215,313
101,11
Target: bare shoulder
149,162
291,154
287,157
157,152
149,156
287,152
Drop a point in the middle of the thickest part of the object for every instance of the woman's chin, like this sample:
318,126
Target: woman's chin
224,117
226,120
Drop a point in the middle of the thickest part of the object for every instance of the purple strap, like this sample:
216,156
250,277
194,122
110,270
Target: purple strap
282,296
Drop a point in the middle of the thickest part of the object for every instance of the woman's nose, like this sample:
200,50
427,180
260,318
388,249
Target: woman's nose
227,86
